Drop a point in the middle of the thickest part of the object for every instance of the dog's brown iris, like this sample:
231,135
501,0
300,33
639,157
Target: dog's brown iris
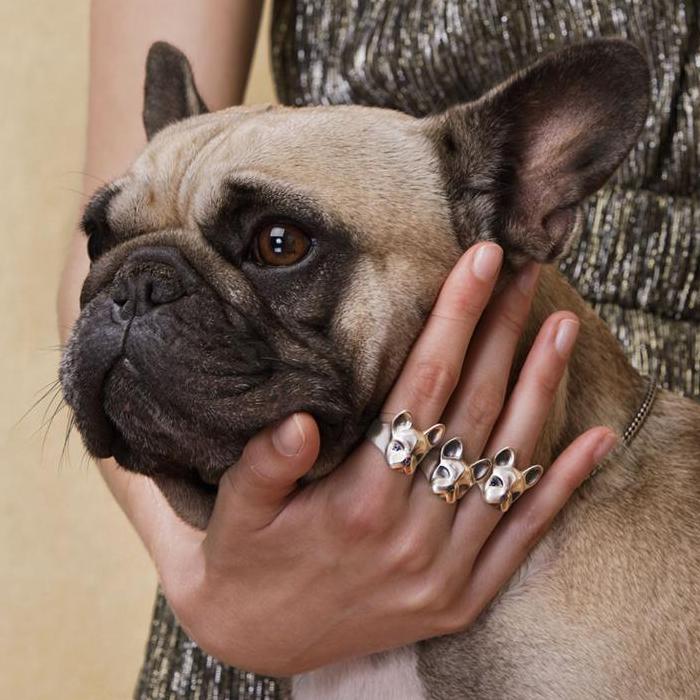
281,244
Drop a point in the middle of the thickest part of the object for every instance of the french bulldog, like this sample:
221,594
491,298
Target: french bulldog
262,260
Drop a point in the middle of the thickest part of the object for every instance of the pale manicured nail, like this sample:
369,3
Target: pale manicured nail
604,447
288,438
527,278
487,261
567,330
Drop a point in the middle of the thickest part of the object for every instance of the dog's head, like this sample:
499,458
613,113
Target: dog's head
259,261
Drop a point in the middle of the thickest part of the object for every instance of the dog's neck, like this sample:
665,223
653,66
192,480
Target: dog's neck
600,386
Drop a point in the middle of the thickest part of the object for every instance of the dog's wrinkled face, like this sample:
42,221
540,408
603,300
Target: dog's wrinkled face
256,262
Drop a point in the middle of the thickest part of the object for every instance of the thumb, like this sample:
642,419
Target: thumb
254,490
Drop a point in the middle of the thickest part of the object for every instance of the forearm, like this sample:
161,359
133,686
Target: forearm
219,37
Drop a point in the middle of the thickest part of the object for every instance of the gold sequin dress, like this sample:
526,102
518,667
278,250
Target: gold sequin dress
637,260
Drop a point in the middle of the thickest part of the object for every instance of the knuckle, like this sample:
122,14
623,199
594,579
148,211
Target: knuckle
565,481
257,449
483,405
547,381
456,611
468,302
434,379
411,554
362,519
532,530
456,618
450,593
420,597
513,323
432,596
546,389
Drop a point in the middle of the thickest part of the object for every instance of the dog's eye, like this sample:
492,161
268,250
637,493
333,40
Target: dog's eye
281,244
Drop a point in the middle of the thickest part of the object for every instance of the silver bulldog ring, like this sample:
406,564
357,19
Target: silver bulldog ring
507,483
403,446
450,477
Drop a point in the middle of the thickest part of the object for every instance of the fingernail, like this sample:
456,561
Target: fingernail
604,447
567,330
527,278
287,437
487,261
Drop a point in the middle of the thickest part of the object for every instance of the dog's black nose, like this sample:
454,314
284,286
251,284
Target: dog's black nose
143,290
148,279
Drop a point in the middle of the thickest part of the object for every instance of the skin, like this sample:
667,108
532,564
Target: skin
427,576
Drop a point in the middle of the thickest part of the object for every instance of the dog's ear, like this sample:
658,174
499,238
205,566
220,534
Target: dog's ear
518,161
169,92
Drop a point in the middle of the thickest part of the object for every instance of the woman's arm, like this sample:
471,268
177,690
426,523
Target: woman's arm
218,37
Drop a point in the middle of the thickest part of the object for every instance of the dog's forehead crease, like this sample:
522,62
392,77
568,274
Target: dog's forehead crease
357,161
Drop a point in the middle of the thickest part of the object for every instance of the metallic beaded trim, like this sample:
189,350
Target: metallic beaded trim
638,421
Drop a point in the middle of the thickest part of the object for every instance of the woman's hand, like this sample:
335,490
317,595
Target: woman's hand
288,579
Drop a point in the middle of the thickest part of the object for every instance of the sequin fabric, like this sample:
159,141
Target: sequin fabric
637,257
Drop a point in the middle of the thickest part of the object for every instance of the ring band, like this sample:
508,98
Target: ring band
507,483
450,476
404,446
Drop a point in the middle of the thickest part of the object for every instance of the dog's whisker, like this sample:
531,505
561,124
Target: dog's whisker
47,425
66,440
85,459
86,174
47,390
57,396
84,195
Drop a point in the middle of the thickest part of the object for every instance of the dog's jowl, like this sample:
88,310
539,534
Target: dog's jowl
254,262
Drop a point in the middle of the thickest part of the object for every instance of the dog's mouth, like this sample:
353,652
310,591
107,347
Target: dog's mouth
129,459
156,433
179,431
188,493
123,409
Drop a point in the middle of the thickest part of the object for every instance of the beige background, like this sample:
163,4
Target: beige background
76,588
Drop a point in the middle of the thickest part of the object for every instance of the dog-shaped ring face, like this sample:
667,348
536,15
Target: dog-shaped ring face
507,483
408,445
453,477
260,261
